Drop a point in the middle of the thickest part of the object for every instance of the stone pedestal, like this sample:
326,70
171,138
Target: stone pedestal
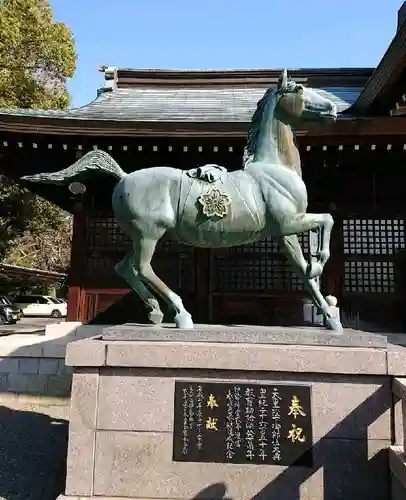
121,428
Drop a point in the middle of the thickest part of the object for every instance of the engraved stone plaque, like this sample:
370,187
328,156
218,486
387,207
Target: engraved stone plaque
243,423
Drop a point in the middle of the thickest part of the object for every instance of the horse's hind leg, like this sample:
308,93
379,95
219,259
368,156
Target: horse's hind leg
144,248
291,247
125,269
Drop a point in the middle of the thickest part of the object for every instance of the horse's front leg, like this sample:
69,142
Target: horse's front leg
291,248
308,222
325,239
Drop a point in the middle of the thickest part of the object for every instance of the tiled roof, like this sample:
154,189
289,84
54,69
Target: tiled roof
177,104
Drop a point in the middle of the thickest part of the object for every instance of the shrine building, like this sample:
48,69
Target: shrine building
354,169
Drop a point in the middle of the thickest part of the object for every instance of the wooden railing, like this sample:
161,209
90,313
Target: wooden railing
397,452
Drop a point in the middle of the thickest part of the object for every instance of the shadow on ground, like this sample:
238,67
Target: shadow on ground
215,491
33,449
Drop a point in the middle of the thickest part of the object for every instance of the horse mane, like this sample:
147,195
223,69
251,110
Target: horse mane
291,152
254,127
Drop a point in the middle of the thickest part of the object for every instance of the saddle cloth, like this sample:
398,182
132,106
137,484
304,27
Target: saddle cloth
218,208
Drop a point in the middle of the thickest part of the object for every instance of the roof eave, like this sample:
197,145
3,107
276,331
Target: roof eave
116,128
345,125
385,75
37,272
86,127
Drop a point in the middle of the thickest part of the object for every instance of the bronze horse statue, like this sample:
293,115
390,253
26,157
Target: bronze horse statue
210,207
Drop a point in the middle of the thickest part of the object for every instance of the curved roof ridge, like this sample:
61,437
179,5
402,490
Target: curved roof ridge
352,71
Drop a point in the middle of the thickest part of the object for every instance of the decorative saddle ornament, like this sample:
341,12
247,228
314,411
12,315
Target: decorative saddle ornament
215,203
207,173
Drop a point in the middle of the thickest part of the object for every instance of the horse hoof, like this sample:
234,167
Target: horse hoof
314,270
156,317
334,325
184,321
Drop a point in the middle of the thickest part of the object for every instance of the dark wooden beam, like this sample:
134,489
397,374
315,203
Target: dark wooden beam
54,127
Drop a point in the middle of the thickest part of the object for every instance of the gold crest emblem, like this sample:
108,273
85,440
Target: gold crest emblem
215,203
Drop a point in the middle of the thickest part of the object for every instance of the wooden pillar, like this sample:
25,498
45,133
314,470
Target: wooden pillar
75,292
202,263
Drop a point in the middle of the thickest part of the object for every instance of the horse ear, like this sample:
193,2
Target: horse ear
283,79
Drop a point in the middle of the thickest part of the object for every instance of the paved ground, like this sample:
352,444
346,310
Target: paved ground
33,439
27,325
33,446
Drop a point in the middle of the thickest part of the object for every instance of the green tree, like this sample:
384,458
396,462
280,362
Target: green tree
37,56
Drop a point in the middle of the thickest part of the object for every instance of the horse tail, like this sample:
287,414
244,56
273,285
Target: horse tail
97,161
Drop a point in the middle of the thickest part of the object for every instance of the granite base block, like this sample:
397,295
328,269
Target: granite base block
131,401
136,464
398,491
215,496
123,414
242,334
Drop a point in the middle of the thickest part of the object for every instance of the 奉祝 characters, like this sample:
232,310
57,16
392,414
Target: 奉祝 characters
241,423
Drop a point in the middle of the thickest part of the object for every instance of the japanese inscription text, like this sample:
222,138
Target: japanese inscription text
241,423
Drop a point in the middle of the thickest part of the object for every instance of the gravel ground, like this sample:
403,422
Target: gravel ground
33,445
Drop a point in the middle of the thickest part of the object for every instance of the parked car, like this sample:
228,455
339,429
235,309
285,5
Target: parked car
40,305
9,312
57,299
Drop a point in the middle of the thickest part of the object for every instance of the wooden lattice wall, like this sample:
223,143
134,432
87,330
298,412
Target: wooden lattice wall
255,280
253,283
255,270
106,244
370,248
374,271
257,267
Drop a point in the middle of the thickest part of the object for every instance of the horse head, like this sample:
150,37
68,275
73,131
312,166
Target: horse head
270,136
299,103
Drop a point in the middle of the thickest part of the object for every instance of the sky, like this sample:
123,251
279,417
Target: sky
223,34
